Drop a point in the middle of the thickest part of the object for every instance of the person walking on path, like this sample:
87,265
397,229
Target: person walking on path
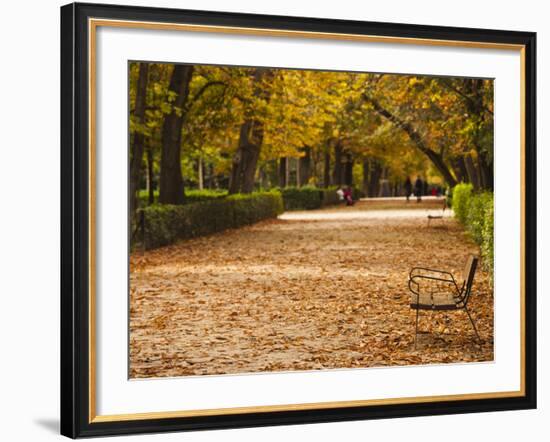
408,187
418,186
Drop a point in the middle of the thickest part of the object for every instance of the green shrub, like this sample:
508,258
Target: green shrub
254,207
191,195
166,223
310,197
294,198
487,243
143,197
476,216
357,193
330,197
302,198
461,197
476,212
195,195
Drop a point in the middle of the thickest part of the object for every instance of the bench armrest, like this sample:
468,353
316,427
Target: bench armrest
421,271
415,280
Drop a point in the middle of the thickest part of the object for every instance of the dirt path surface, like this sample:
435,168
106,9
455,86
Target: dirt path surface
308,291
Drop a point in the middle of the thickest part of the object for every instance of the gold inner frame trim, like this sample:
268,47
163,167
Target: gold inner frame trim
93,24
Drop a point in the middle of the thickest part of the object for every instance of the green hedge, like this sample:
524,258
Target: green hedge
476,211
487,250
461,196
164,223
302,198
330,197
309,197
194,196
294,198
191,196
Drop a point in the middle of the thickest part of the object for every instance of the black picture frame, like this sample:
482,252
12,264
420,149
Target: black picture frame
75,221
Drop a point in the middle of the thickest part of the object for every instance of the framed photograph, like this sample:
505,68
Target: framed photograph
274,220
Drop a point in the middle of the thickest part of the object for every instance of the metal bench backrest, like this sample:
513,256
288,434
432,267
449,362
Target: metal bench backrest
468,275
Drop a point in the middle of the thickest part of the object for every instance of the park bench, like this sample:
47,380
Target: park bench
439,290
430,216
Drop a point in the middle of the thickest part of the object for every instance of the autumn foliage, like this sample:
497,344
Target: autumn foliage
246,129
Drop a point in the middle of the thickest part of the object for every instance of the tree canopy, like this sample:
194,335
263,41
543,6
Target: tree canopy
241,129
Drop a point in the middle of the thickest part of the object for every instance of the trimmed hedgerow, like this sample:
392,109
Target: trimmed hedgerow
330,197
477,215
195,195
302,198
165,223
461,200
191,196
476,211
294,198
251,208
487,244
310,197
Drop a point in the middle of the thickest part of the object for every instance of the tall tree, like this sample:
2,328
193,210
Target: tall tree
375,174
283,172
482,117
326,167
304,163
366,176
348,169
337,172
150,176
171,181
251,137
139,138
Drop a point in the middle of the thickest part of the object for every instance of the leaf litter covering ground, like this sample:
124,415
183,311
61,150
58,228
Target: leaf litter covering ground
300,295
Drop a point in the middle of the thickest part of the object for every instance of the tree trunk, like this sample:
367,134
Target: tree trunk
251,137
337,172
475,106
171,181
150,176
139,139
487,173
435,158
200,174
313,169
304,167
459,168
471,170
326,170
348,170
283,172
365,183
374,178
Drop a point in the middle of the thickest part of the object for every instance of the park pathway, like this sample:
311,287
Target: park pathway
311,290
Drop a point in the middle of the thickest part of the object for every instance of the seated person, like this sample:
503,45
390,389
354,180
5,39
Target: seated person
348,196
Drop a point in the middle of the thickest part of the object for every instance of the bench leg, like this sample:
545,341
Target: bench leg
416,329
474,326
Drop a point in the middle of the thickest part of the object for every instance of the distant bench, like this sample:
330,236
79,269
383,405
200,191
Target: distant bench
430,217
